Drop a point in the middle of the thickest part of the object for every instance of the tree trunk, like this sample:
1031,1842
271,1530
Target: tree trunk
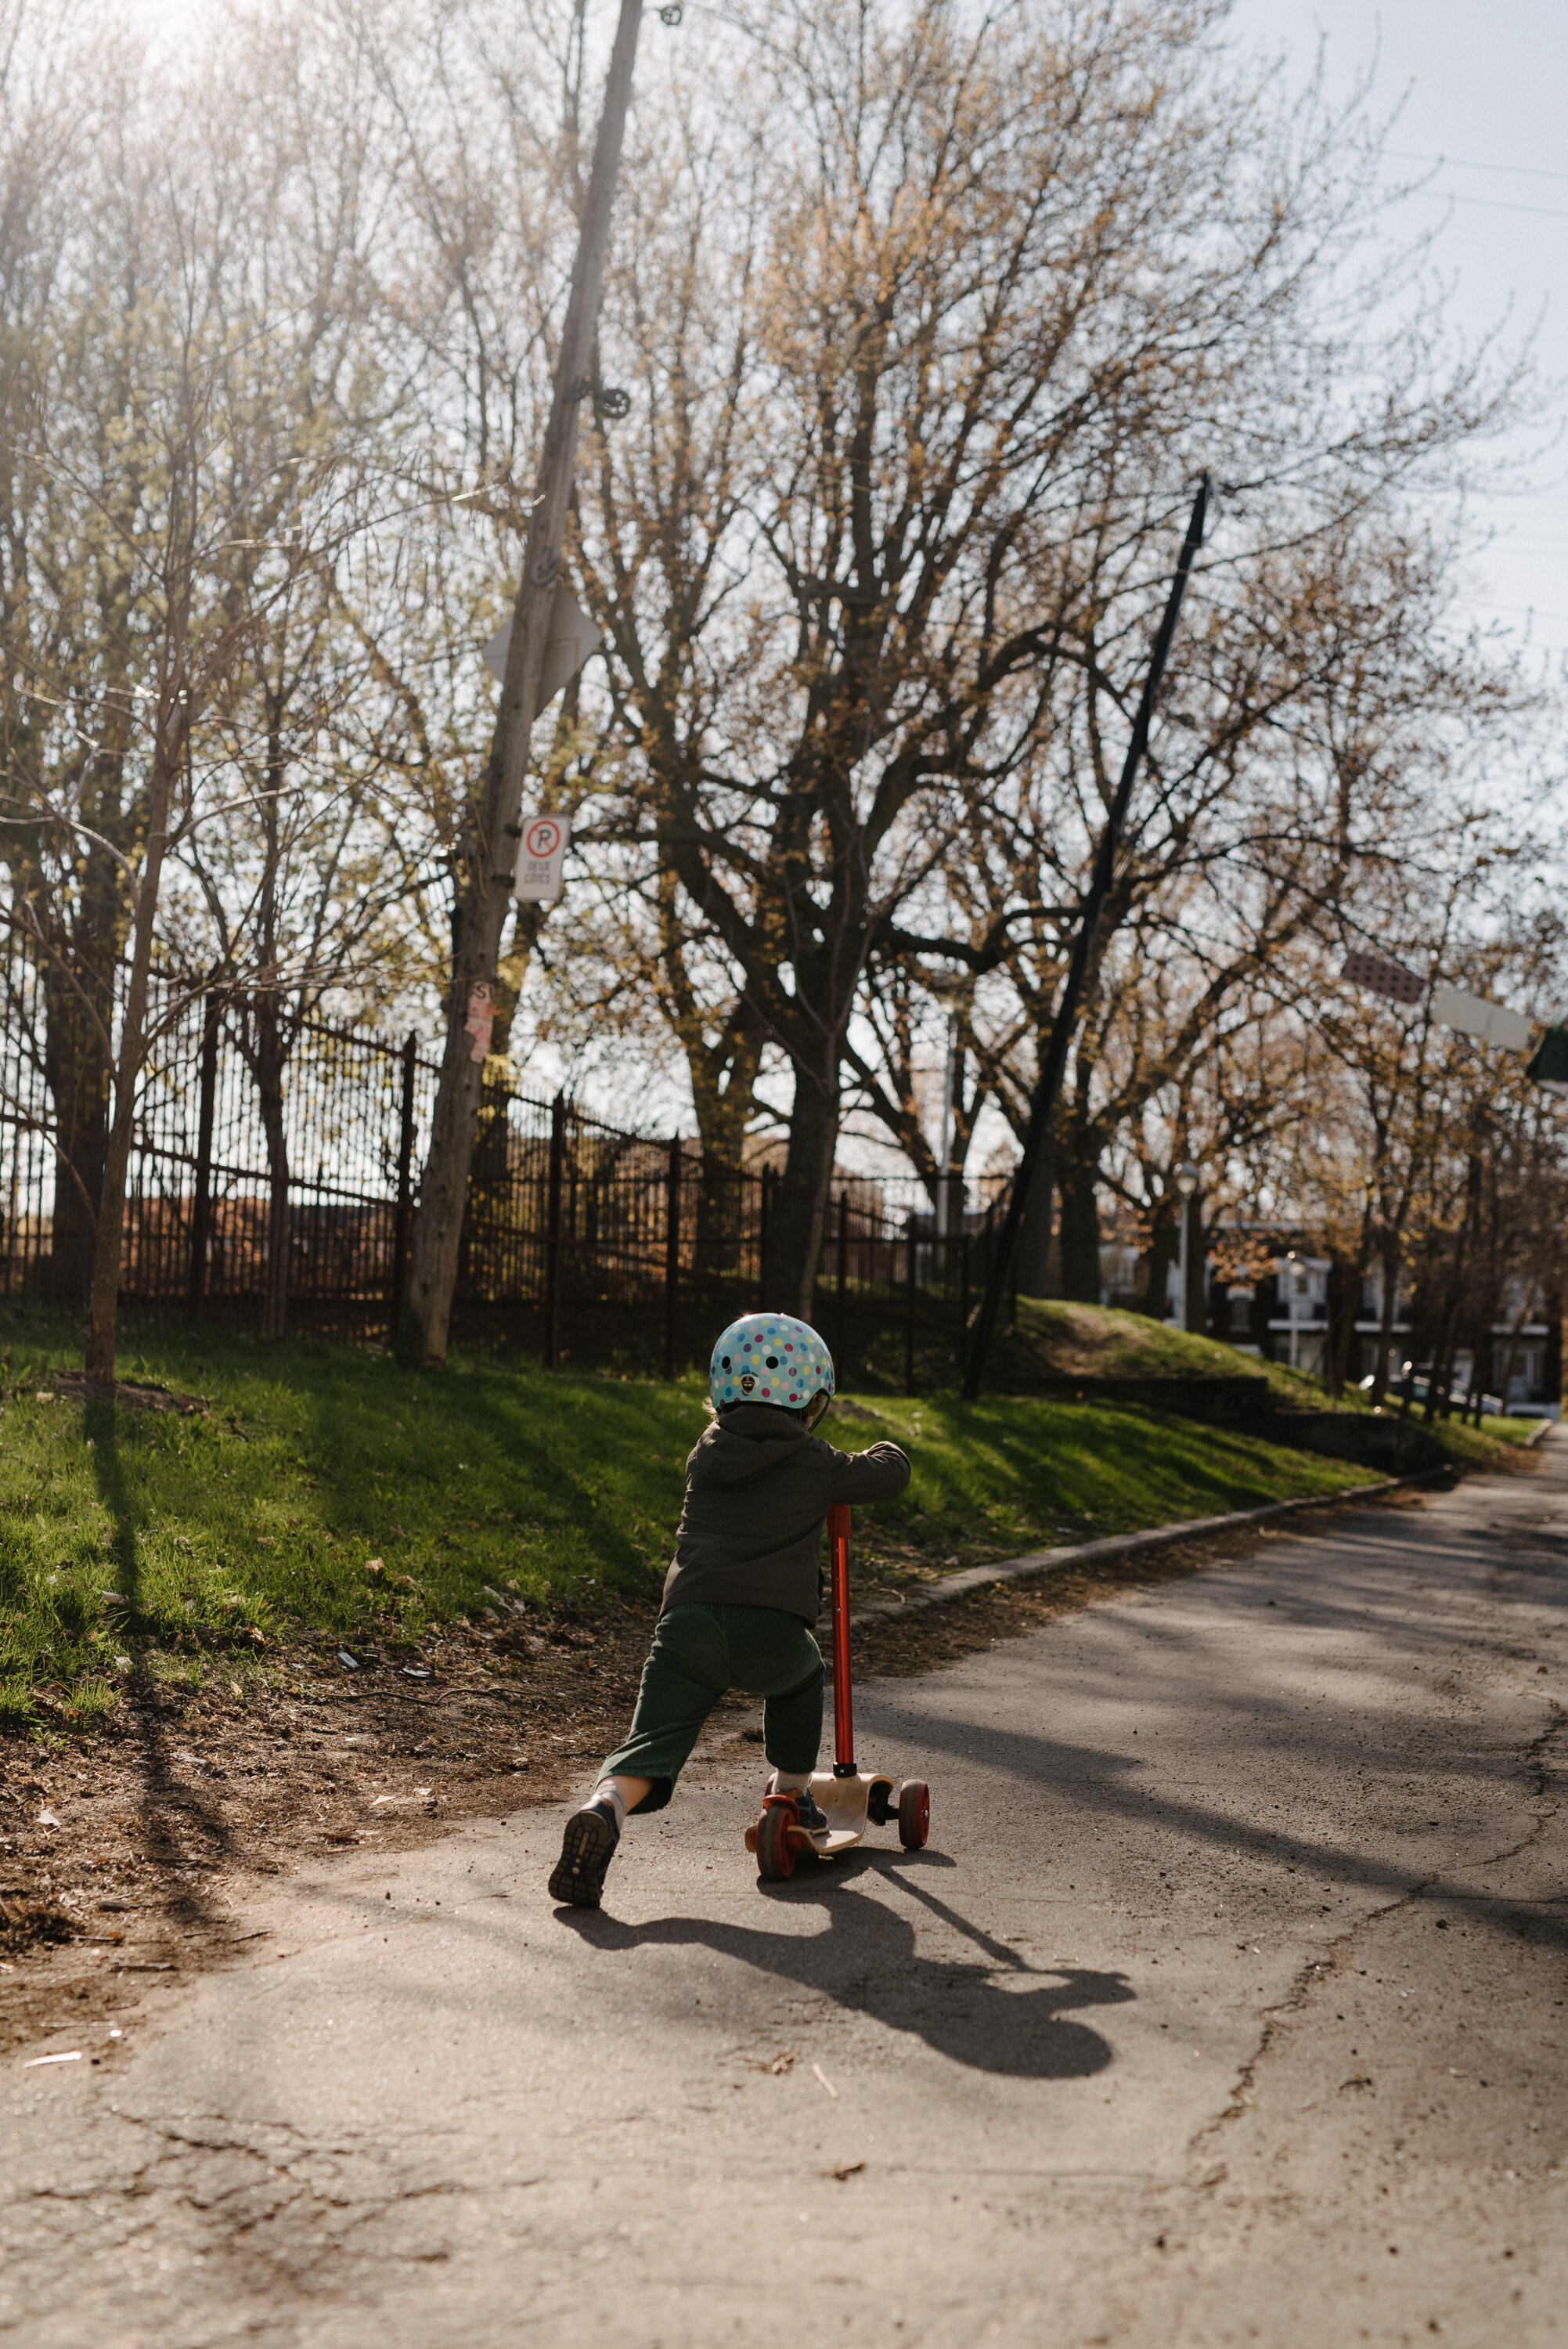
104,1304
1553,1366
1079,1274
1032,1259
1443,1385
1157,1264
724,1110
76,1071
1344,1295
1386,1327
1195,1304
78,951
800,1203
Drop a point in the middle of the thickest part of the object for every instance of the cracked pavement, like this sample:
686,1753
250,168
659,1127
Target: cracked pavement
1225,2006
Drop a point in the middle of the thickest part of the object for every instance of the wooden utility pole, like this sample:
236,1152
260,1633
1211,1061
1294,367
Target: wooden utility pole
1034,1163
493,837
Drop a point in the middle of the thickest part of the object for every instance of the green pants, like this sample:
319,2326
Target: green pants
697,1654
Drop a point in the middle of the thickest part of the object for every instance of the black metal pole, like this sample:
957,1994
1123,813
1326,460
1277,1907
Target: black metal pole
843,1273
672,1252
201,1206
404,1214
1036,1137
909,1313
552,1230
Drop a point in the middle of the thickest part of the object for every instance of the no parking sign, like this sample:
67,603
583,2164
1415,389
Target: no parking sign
540,855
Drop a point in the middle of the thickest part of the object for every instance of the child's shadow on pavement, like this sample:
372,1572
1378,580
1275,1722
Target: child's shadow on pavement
996,2013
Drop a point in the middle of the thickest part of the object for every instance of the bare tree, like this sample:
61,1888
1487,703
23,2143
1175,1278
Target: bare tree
910,456
187,438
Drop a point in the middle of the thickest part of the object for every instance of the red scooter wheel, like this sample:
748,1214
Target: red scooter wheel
914,1813
775,1850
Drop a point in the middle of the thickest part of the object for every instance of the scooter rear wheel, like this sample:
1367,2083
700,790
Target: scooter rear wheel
914,1813
775,1850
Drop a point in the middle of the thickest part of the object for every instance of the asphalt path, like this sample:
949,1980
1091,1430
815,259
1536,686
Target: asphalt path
1225,2005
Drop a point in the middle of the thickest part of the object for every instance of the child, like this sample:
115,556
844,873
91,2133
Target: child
745,1589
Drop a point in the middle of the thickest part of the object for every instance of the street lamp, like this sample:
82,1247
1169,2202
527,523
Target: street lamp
1185,1178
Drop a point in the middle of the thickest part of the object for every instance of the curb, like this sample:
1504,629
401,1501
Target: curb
1037,1562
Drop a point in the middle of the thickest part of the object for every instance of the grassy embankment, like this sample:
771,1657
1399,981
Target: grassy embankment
1089,1341
324,1490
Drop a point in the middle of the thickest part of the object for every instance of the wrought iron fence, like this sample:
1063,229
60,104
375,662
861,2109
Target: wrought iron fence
585,1243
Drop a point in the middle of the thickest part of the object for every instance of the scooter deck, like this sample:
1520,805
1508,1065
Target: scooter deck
845,1802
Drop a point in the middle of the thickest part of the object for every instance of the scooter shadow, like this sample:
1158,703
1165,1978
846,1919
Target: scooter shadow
994,2011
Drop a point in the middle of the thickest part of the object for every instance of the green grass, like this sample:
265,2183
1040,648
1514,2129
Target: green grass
1099,1342
1013,1472
263,1518
1300,1391
1096,1341
1478,1446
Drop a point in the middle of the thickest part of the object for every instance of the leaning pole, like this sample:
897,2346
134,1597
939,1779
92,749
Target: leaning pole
492,843
1034,1164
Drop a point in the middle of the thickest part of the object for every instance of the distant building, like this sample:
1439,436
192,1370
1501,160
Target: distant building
1284,1314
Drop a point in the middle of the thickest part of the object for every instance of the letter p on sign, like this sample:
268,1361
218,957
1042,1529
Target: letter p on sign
540,853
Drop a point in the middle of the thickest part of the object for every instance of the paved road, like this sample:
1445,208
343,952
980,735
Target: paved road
1225,2006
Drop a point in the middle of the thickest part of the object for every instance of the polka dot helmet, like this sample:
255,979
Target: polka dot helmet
770,1357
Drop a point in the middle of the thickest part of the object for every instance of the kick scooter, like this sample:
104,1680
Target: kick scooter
850,1798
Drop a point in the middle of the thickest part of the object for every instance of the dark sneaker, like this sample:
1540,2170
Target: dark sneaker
586,1850
813,1818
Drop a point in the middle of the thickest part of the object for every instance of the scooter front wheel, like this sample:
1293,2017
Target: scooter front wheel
775,1847
914,1813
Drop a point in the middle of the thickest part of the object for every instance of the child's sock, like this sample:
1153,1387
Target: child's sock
608,1795
790,1782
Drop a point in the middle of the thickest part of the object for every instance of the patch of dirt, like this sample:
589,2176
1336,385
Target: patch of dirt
125,1856
1071,1343
73,1386
126,1853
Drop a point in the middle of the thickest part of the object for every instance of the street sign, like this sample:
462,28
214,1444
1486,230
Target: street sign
540,855
1389,978
573,639
1548,1063
1473,1015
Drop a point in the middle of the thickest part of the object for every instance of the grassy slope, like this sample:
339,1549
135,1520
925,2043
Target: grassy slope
1098,1341
1094,1341
264,1515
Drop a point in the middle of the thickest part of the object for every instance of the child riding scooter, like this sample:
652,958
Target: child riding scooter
744,1589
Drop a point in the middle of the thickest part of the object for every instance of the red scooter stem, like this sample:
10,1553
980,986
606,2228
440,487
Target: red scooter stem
843,1701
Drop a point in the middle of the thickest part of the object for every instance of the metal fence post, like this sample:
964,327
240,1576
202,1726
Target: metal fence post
552,1229
963,1302
403,1214
909,1314
672,1253
843,1270
201,1207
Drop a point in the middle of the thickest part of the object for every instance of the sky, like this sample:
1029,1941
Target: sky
1482,89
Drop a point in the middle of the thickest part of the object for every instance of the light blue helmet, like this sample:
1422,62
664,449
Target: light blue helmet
770,1357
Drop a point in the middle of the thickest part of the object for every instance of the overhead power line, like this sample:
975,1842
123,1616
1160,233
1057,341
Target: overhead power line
1459,163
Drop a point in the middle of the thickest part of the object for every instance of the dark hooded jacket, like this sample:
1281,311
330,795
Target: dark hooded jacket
759,1485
